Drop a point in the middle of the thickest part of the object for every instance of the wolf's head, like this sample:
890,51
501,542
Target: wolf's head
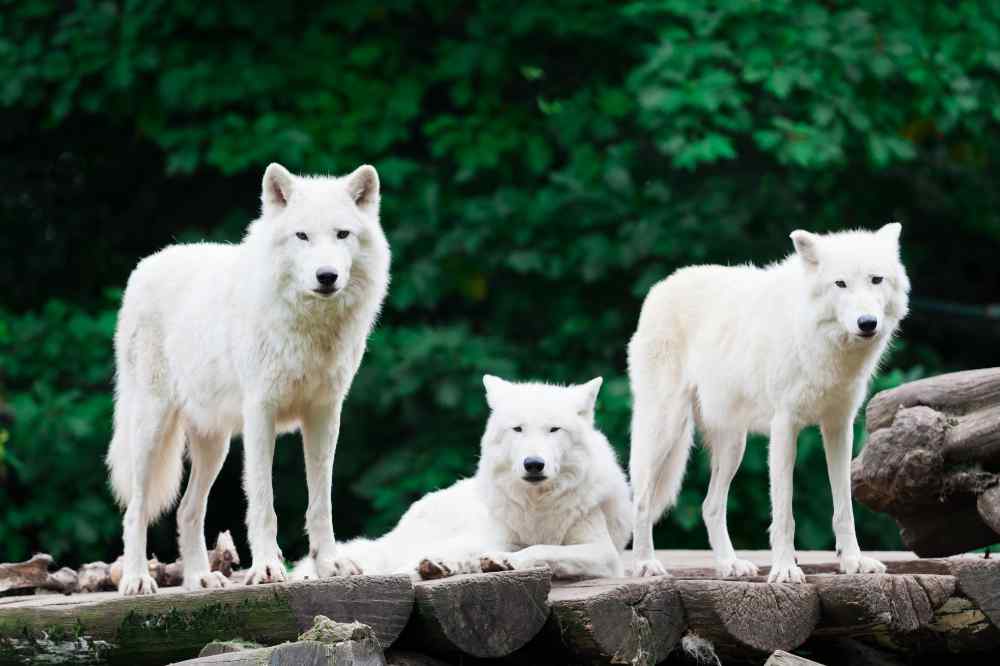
856,281
314,227
538,435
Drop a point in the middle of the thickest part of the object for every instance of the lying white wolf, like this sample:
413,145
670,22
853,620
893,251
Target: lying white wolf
548,491
260,338
738,349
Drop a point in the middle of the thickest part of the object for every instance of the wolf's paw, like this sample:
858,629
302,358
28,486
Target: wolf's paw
860,564
211,580
736,568
493,562
786,573
267,571
132,585
646,568
433,568
328,567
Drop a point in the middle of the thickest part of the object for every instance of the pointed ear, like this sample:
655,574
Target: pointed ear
363,186
806,245
495,387
587,396
277,187
890,232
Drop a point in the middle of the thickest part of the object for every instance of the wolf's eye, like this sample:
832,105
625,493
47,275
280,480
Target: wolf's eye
301,235
343,233
876,279
841,284
554,429
518,428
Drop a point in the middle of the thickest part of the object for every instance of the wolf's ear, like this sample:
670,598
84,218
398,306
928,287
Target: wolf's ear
587,397
277,187
363,186
494,389
806,245
890,232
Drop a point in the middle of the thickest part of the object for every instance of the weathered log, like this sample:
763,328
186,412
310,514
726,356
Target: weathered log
299,653
891,610
782,658
176,625
742,619
482,615
931,461
613,621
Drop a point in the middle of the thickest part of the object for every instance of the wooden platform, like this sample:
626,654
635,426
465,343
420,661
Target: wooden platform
921,608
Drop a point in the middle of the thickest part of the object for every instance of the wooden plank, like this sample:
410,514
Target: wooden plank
482,615
177,625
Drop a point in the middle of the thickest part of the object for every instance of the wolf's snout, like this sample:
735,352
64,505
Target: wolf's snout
533,465
867,325
327,278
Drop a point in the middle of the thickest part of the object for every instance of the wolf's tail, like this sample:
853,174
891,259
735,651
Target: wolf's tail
165,467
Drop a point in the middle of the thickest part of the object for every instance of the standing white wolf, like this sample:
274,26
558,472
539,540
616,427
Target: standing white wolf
260,338
548,491
738,349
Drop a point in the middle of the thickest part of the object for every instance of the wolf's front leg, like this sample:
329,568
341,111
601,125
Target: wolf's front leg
262,523
585,560
781,468
320,430
837,441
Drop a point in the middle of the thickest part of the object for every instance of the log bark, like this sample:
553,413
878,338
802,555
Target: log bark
299,653
754,619
613,621
176,625
932,461
482,615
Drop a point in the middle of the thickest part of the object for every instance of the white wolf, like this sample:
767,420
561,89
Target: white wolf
260,338
738,349
548,491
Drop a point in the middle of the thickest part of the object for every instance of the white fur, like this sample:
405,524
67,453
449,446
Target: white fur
742,349
576,521
215,340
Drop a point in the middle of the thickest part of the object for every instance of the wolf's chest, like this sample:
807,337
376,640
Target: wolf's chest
532,526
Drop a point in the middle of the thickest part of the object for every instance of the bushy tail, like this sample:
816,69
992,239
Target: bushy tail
166,466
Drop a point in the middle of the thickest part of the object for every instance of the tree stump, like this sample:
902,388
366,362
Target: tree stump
176,625
614,621
742,619
484,615
931,461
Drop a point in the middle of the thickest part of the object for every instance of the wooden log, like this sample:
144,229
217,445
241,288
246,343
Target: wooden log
225,647
894,611
176,625
613,621
956,392
484,615
750,619
931,458
406,658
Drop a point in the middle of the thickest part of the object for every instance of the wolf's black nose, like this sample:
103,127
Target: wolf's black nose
326,276
867,323
533,465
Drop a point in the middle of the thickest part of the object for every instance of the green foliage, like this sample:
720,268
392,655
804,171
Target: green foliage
543,164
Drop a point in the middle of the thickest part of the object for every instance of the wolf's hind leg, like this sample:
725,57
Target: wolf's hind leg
727,449
207,453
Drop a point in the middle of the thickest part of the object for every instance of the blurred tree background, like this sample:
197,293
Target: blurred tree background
543,164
